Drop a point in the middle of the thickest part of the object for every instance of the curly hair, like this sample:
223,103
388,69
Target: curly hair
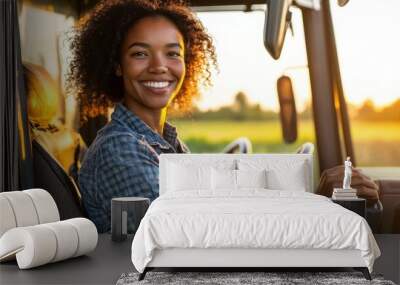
96,44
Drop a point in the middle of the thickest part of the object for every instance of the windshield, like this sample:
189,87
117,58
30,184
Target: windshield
243,100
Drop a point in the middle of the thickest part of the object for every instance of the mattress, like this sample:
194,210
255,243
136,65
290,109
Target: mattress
250,219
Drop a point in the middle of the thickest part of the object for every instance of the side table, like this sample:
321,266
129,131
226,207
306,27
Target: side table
357,205
126,214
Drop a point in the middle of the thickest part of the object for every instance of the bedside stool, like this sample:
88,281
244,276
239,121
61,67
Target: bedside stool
126,214
357,205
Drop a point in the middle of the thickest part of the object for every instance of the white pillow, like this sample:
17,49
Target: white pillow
223,179
294,181
282,174
251,178
183,177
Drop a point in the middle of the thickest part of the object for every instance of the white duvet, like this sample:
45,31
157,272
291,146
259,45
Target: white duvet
250,219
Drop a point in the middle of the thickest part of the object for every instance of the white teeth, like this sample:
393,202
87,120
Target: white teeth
156,84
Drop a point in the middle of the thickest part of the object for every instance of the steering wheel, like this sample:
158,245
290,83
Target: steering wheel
239,145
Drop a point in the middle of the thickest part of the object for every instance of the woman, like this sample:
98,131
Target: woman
141,57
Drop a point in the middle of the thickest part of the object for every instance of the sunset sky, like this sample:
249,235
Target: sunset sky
367,45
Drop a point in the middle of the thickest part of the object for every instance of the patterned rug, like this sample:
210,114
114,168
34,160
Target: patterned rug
242,278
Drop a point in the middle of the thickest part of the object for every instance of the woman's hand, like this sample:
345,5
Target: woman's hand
333,178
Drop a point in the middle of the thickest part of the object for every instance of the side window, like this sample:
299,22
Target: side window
368,49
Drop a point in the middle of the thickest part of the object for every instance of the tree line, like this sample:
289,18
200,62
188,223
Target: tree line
242,110
368,112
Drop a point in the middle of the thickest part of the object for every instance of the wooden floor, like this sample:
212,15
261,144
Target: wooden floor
389,262
106,264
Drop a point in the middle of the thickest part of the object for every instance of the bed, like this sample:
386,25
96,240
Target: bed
239,210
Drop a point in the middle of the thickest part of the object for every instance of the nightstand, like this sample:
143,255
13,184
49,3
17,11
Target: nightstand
126,214
357,205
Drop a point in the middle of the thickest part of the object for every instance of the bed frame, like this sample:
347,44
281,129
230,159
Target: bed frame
242,259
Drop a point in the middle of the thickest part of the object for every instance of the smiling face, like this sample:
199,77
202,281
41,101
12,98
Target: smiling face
152,63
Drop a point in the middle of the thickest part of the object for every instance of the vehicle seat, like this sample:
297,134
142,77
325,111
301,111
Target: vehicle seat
49,175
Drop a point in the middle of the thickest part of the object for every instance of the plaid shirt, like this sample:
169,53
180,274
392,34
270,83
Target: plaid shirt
123,161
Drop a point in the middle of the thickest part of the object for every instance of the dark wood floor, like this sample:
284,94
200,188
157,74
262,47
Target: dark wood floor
389,262
106,264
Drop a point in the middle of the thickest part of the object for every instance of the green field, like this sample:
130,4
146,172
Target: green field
375,143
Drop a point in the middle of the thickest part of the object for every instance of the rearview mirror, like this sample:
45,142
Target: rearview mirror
277,18
288,113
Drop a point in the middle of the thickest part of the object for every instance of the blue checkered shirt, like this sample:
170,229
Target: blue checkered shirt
123,162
